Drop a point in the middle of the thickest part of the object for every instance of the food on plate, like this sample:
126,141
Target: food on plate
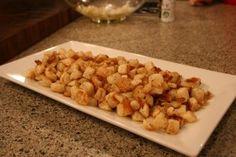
162,100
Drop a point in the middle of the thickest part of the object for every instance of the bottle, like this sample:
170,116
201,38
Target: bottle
167,10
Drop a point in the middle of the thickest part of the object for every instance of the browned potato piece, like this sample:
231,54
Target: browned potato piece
104,106
198,94
49,73
30,74
160,121
88,73
111,100
124,84
57,87
189,117
88,87
82,97
39,69
135,105
193,104
45,82
145,110
173,126
182,93
100,94
137,116
123,69
67,91
124,109
65,78
147,123
191,82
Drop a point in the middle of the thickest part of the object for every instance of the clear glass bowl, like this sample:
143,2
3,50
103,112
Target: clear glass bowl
106,11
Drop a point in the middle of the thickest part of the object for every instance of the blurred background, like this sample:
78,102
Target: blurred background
25,22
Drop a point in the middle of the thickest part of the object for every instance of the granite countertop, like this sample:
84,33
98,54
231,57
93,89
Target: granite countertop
34,125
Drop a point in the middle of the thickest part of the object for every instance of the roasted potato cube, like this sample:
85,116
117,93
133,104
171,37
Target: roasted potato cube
124,109
73,83
50,74
124,84
158,78
156,91
138,92
189,117
88,73
100,58
57,87
111,100
88,87
175,104
67,91
136,82
75,74
65,78
191,82
148,66
39,69
132,73
147,88
61,66
113,78
100,94
58,73
183,94
141,70
155,111
121,60
160,121
145,110
67,61
119,97
193,104
30,74
135,105
82,97
104,106
137,116
92,102
172,93
127,95
173,126
96,82
123,69
45,81
198,94
133,62
181,110
172,85
147,123
170,111
74,90
149,100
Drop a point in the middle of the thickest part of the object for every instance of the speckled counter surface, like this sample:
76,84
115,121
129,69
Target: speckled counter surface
34,125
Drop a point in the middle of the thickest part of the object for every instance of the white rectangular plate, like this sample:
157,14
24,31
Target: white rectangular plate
190,139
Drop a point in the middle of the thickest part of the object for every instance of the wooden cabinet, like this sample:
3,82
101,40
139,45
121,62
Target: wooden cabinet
25,22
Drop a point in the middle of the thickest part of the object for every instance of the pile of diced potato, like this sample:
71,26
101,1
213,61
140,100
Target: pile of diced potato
161,100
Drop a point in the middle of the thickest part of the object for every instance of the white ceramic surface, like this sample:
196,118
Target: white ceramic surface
189,141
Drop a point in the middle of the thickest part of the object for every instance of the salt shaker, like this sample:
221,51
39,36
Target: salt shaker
167,10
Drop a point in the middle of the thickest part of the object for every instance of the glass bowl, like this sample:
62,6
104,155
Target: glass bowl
101,11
